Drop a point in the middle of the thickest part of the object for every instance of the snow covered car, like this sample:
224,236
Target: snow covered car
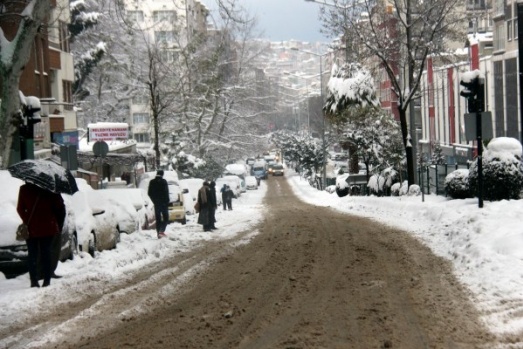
176,203
251,182
176,194
93,220
192,185
234,182
13,253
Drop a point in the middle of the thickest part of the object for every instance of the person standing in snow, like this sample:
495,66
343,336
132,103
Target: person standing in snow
227,195
203,201
44,213
212,205
222,191
158,191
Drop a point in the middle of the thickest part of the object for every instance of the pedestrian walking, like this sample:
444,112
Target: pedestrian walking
213,205
158,191
43,212
224,193
203,199
227,196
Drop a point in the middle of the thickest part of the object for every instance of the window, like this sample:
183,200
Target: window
516,29
509,30
135,16
499,8
64,37
140,118
499,37
140,100
164,36
67,93
168,16
168,56
141,137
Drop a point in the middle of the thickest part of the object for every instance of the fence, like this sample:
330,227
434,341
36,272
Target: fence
432,178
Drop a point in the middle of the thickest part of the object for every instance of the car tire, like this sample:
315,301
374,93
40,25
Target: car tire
74,247
91,248
146,223
117,237
184,221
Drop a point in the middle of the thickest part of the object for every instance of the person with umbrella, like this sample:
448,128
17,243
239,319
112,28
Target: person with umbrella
42,209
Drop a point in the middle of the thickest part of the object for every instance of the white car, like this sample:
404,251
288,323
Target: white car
94,219
251,182
133,206
234,182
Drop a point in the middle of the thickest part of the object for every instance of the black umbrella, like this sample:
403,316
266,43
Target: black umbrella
45,174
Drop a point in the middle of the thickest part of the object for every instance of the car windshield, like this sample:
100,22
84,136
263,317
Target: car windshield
278,167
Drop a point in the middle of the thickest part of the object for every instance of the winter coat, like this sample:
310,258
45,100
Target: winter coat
213,203
49,210
158,191
203,200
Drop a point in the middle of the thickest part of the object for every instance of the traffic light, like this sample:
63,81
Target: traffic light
32,110
474,92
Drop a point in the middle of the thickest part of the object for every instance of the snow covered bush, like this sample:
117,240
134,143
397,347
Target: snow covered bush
330,189
342,187
374,185
414,190
404,188
502,170
381,184
457,184
395,189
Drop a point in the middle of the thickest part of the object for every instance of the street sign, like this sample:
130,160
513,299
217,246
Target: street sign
100,148
486,126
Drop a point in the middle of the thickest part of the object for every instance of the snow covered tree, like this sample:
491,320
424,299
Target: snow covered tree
27,18
438,158
397,37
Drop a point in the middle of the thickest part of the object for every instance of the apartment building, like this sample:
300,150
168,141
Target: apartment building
170,25
505,69
48,75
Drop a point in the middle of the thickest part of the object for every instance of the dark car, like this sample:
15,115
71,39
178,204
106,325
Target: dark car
277,170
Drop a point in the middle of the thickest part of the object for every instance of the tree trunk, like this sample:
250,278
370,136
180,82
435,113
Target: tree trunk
13,58
408,147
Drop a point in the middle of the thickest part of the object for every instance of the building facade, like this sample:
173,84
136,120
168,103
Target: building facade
170,25
48,75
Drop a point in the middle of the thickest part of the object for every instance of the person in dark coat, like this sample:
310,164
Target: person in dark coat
44,213
158,191
203,200
213,205
229,194
223,190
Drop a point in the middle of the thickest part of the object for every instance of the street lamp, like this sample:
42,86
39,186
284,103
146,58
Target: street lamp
324,174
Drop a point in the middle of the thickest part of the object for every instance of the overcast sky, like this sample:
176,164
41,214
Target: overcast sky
282,20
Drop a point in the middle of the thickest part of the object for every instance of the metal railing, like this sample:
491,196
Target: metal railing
432,177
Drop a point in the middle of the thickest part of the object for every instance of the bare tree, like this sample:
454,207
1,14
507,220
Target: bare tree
28,18
398,36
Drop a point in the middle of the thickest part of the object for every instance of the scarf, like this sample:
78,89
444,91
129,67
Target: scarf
203,194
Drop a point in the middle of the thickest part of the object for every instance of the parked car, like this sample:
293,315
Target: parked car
136,210
251,182
234,182
13,253
277,170
176,203
192,185
95,219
